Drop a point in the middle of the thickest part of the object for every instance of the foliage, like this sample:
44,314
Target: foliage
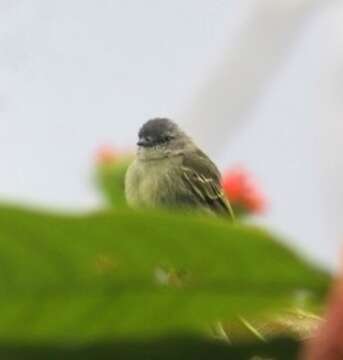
180,348
122,275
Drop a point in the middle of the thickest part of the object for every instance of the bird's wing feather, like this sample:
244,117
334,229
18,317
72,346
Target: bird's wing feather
202,178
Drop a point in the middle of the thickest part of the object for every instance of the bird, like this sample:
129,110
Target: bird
171,172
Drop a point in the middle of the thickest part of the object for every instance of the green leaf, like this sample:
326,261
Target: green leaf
181,348
74,279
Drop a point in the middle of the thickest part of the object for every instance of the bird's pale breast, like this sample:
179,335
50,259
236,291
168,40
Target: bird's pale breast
149,183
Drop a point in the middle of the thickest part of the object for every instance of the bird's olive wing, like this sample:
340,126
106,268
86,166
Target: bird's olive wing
202,178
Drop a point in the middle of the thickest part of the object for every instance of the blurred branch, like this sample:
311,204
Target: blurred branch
249,64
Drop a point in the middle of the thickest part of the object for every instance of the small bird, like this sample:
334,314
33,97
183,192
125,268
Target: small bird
171,172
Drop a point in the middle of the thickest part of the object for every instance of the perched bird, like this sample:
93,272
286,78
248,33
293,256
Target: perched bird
170,171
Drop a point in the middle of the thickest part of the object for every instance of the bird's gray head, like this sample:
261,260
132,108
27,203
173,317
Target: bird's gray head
160,138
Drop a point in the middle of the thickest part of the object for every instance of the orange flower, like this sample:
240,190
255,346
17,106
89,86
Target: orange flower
242,191
106,155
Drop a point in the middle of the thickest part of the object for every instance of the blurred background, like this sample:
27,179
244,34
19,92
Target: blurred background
257,83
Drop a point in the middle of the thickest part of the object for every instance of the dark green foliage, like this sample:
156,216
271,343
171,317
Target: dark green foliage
181,348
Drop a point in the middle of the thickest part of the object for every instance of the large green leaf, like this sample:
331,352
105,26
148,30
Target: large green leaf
98,277
180,348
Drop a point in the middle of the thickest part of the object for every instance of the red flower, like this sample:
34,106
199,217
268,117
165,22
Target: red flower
242,192
106,155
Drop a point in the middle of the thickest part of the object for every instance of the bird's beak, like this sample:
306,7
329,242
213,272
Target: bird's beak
144,142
